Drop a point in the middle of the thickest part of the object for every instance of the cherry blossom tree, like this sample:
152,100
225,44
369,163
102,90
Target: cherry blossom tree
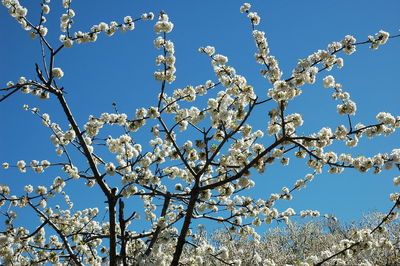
203,154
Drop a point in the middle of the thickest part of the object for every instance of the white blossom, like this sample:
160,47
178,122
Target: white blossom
57,72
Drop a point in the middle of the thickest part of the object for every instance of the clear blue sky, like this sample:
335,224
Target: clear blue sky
120,69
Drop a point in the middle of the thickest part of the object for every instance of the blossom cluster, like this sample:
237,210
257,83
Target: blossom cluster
381,38
17,11
347,106
29,87
167,59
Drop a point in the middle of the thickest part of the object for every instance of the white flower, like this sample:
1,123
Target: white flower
32,35
339,62
383,36
57,72
396,181
163,26
21,166
394,196
245,7
110,168
28,188
219,59
386,118
209,50
238,220
254,17
21,80
43,203
66,3
329,81
5,165
285,161
59,151
71,13
309,177
395,155
128,19
67,42
243,182
103,26
348,107
352,142
41,190
348,44
153,112
131,25
205,195
64,18
42,30
335,46
46,9
289,212
149,16
45,163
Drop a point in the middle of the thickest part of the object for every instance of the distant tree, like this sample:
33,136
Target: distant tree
195,167
294,243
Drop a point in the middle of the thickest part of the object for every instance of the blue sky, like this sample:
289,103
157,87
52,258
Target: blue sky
120,69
